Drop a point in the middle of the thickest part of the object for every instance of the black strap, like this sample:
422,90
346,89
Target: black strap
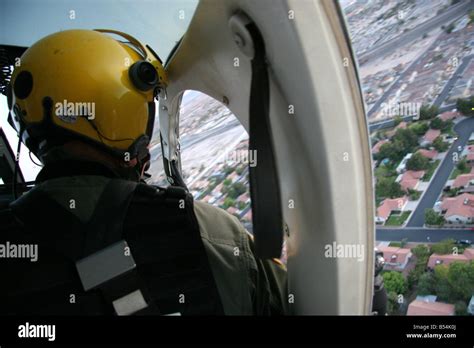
264,184
113,205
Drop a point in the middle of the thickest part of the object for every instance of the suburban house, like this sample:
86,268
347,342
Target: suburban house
403,164
395,258
378,145
244,198
430,136
388,206
459,209
430,154
426,306
446,259
410,179
449,115
464,181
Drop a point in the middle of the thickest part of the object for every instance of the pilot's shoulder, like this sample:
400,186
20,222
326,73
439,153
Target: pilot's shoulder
218,225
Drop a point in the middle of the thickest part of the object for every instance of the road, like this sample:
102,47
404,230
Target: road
437,21
422,234
438,101
452,81
464,130
192,139
390,122
397,84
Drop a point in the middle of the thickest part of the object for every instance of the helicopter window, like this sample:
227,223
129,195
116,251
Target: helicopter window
27,161
215,155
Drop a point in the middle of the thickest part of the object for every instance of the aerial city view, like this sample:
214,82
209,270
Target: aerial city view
417,73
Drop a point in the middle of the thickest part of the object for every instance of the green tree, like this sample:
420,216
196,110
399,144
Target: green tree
403,142
394,282
407,138
228,202
444,247
461,281
442,285
462,166
388,150
388,188
384,171
228,170
241,205
393,307
419,128
453,192
440,145
397,120
426,284
237,189
433,218
240,170
421,251
465,106
417,162
454,282
428,112
460,308
413,194
437,123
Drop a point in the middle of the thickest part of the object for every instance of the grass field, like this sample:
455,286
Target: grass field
456,172
398,220
431,169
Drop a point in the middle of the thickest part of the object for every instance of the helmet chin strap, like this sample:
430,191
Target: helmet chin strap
17,164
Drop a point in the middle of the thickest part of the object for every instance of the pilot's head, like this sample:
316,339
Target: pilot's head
88,92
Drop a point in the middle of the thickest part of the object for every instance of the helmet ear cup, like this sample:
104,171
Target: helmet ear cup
143,75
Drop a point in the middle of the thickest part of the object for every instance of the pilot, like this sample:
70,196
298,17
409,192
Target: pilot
83,102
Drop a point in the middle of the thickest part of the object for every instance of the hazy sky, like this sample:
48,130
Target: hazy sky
159,23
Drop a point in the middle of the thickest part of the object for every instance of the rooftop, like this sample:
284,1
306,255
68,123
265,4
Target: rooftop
390,204
418,307
462,205
431,135
410,179
446,259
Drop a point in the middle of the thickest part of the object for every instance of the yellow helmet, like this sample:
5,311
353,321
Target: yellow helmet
85,84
